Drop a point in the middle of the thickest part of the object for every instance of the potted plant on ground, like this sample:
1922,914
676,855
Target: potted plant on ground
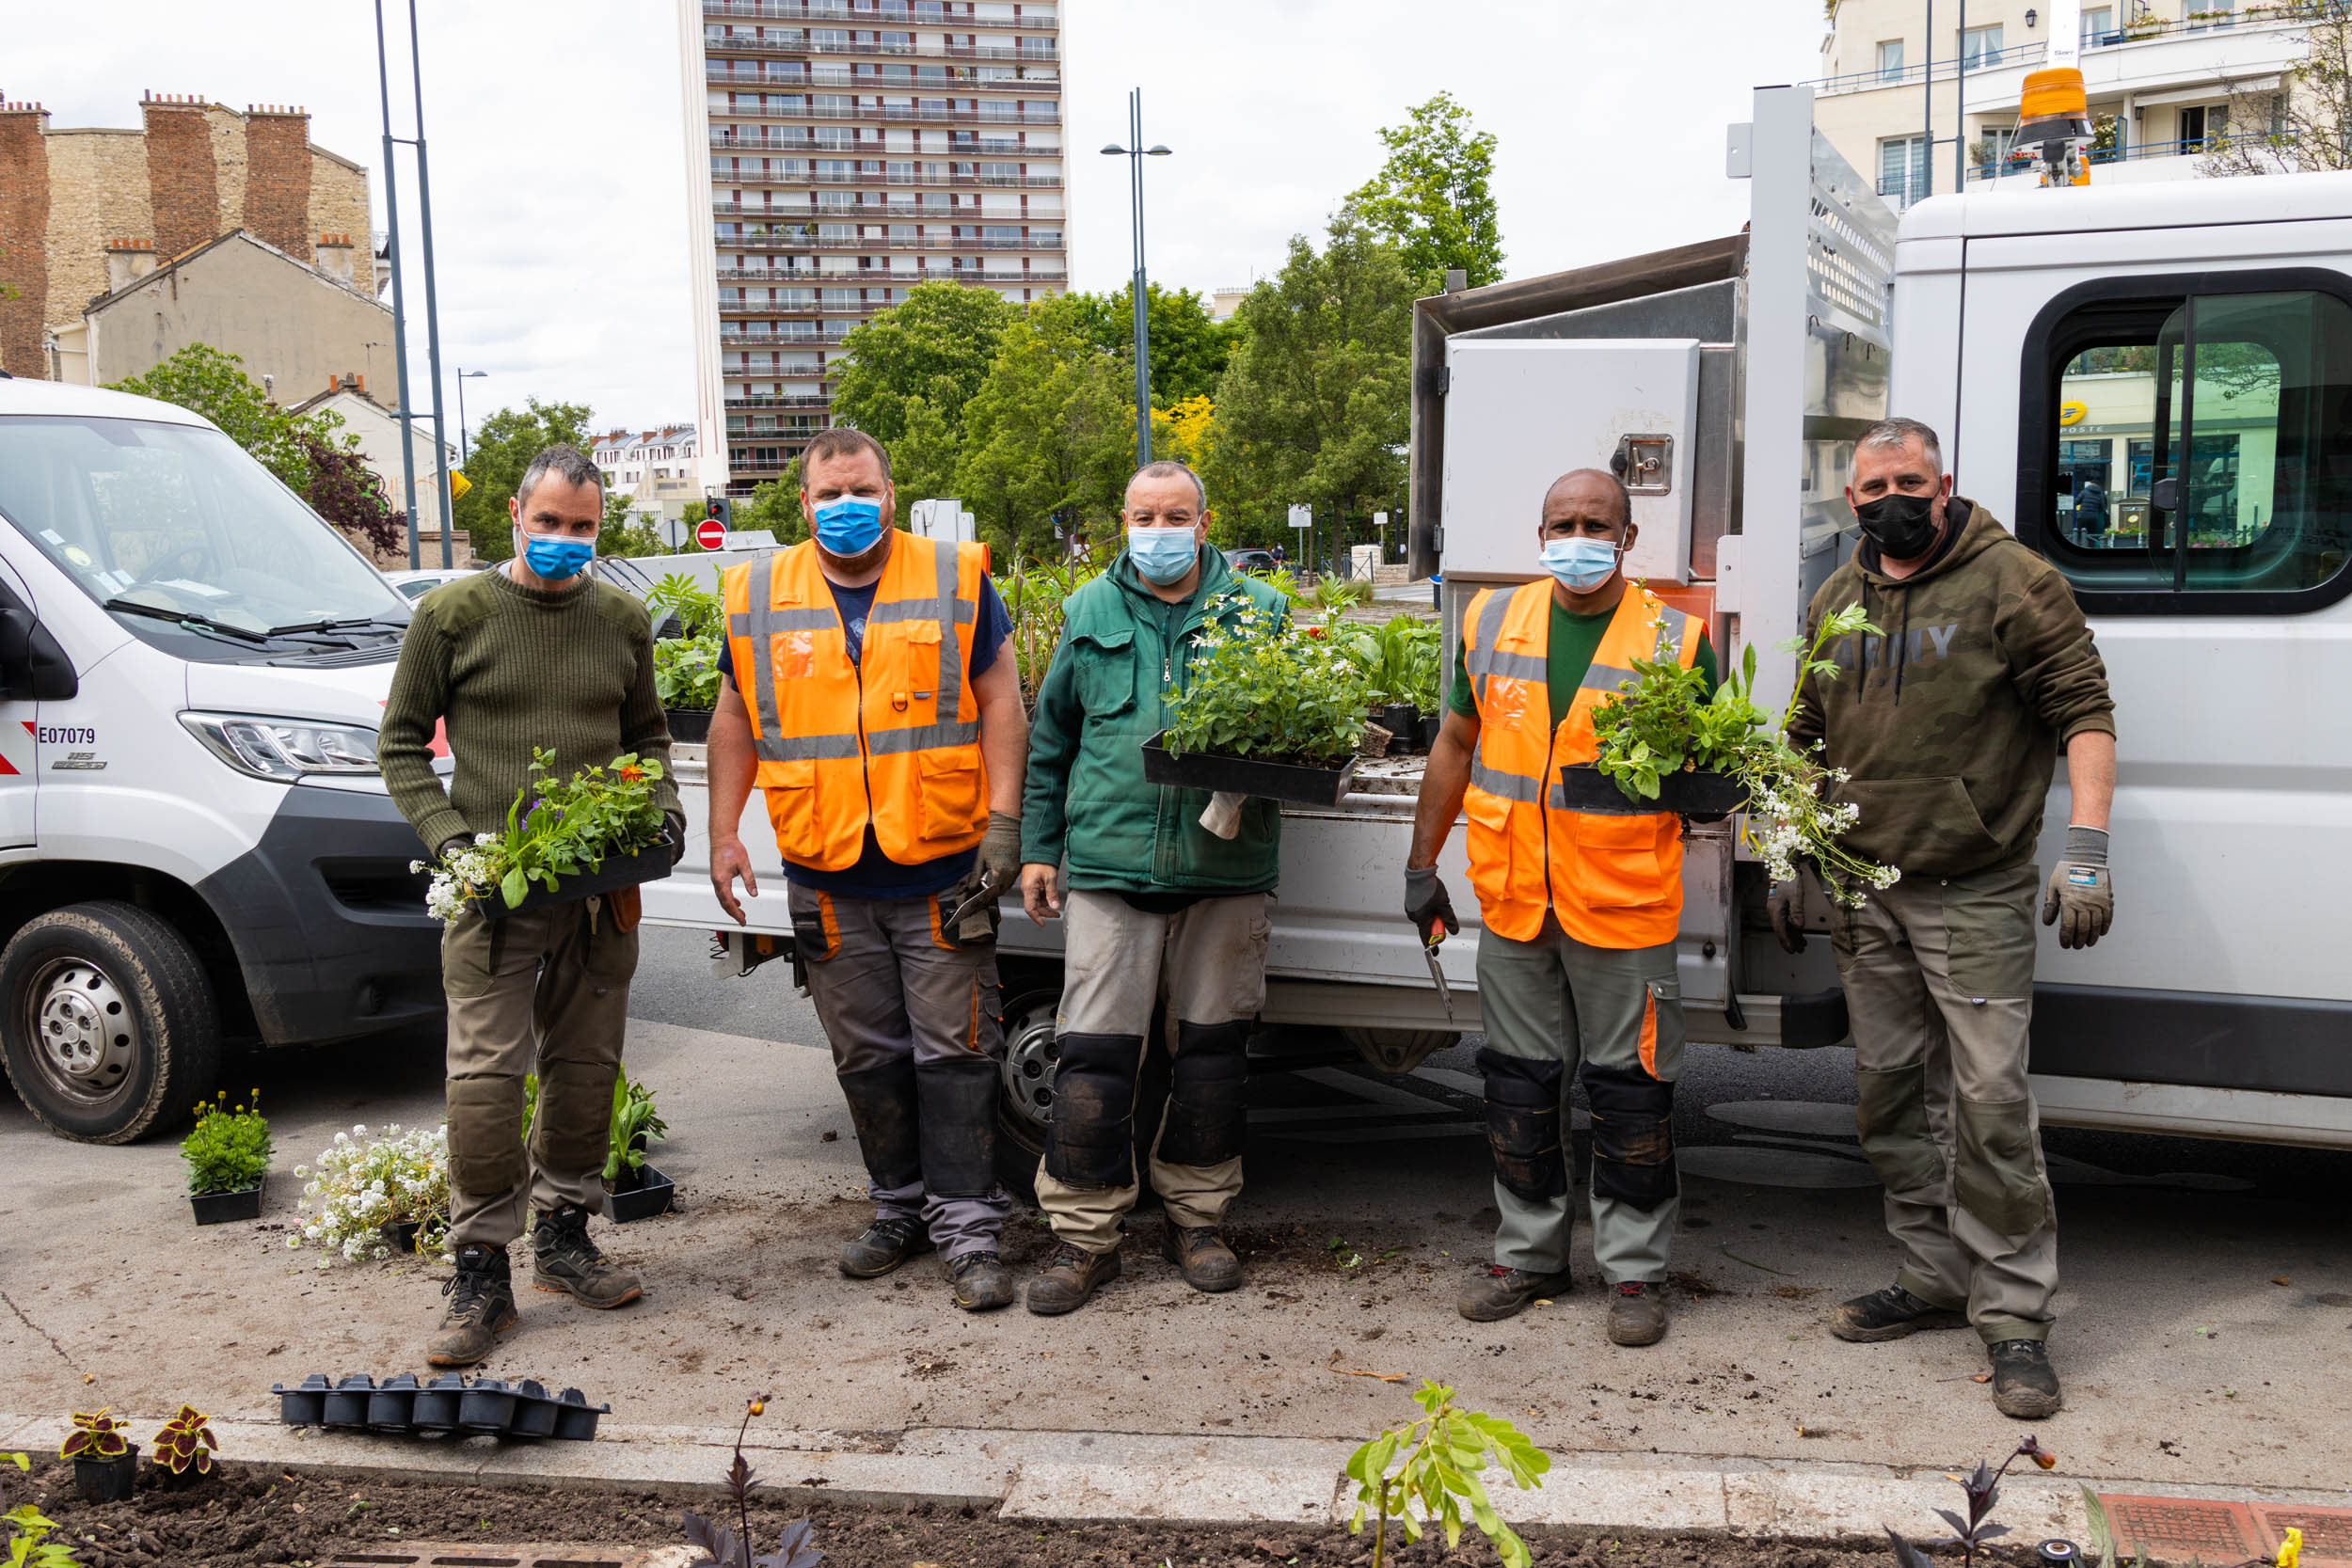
596,832
366,1198
636,1189
1271,709
1400,658
228,1157
105,1463
686,667
185,1444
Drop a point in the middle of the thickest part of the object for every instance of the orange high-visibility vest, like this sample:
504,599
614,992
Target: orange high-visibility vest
1613,882
894,739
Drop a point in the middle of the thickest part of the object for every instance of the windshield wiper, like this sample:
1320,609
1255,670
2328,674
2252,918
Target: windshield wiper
187,618
344,624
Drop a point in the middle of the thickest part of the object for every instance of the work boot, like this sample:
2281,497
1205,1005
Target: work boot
1637,1313
1495,1292
481,1305
1071,1276
2024,1385
982,1283
885,1245
564,1259
1200,1255
1890,1314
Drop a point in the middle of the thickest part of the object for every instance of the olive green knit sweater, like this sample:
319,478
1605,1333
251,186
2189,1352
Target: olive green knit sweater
507,669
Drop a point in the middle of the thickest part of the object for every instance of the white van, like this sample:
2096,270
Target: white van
195,845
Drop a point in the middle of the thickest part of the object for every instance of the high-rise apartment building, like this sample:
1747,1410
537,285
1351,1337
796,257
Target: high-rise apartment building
857,147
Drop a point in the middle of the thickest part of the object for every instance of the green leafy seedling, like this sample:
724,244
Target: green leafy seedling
1443,1455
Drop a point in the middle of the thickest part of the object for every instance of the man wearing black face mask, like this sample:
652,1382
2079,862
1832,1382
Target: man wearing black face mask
1944,726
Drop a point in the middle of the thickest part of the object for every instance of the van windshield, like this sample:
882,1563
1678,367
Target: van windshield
188,541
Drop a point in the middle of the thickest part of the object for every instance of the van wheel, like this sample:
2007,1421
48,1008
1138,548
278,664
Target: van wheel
108,1025
1025,1101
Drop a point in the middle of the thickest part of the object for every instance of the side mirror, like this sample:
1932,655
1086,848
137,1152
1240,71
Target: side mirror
2165,495
32,666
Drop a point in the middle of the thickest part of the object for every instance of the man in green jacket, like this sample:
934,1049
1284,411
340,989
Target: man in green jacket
1155,903
1944,725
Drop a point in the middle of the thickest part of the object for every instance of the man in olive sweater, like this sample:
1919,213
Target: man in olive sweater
533,653
1945,725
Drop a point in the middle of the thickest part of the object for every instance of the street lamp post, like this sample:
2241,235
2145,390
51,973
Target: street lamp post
464,375
1135,154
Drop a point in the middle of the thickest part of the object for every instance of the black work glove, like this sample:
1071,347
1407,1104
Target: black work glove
1787,909
675,821
1426,905
451,846
2080,900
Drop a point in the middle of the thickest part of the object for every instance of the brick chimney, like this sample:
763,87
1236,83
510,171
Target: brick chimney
336,259
127,262
278,178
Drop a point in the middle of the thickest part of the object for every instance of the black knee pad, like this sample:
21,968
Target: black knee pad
1634,1140
1091,1141
883,1110
958,1133
1523,1123
1206,1114
573,1130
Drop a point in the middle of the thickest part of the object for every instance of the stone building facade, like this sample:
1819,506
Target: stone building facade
193,171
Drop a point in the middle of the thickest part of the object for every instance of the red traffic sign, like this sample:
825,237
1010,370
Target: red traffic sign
710,533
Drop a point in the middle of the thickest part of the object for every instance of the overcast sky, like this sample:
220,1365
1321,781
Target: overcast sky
559,177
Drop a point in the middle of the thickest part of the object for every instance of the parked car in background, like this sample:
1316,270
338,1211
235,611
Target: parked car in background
1251,561
417,584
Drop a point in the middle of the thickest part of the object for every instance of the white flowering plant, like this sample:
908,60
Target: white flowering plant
554,828
1663,723
359,1185
1261,685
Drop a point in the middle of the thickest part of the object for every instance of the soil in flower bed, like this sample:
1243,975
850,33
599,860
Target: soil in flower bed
252,1515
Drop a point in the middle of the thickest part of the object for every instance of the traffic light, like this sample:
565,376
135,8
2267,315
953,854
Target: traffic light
723,507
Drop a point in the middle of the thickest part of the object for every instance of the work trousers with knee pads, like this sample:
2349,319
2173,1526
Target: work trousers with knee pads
1207,960
1558,1010
543,992
915,1023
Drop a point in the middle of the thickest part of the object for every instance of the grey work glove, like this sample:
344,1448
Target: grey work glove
1787,909
451,846
1427,905
2080,900
1000,851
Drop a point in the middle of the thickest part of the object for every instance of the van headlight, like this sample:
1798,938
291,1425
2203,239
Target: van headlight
284,749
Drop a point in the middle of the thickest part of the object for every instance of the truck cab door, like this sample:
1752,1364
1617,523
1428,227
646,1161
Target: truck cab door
20,711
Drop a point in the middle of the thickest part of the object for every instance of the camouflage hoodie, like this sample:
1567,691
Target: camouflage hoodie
1951,721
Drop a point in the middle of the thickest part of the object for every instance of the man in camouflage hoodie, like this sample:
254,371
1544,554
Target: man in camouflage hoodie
1948,720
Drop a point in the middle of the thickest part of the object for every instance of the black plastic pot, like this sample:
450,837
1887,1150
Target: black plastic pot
534,1411
1430,724
688,725
575,1418
618,872
1702,796
639,1195
108,1480
436,1405
347,1401
1269,781
394,1405
220,1207
487,1405
1402,721
304,1403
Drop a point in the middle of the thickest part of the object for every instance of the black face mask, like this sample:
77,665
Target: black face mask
1901,526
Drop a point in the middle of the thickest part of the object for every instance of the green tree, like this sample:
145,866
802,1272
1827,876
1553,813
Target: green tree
1316,405
503,446
1189,347
2304,122
1434,197
212,382
924,461
935,345
1049,433
775,506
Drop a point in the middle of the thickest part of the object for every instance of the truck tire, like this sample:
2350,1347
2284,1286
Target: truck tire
107,1023
1024,1100
1397,1051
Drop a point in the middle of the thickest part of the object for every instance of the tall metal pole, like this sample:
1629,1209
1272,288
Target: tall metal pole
1143,319
400,320
1959,108
1927,97
432,309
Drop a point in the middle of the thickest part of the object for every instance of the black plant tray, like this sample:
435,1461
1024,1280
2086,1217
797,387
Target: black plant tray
618,872
220,1207
688,725
650,1194
1268,780
400,1406
1702,796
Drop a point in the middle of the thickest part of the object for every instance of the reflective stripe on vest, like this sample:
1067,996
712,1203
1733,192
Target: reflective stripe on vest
1613,881
891,740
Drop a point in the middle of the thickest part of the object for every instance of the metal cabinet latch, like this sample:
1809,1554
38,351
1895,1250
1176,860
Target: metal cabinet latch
1646,463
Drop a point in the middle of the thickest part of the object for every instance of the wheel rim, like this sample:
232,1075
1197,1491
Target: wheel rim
1031,1055
85,1035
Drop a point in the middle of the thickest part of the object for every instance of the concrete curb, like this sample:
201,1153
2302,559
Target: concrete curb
1083,1476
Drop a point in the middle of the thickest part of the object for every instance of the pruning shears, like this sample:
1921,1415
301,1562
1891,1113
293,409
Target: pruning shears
1445,992
982,894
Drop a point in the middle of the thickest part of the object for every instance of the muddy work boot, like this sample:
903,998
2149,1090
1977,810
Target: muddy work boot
1072,1274
982,1283
2024,1385
564,1259
481,1305
1890,1314
1637,1313
1200,1255
1495,1292
884,1245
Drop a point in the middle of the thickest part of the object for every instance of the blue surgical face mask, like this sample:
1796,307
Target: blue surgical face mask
1163,554
1584,565
848,525
555,557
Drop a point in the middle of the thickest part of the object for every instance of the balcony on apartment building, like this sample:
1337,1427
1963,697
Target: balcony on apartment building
778,400
826,211
2205,48
1026,51
941,242
795,279
889,13
877,176
923,114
